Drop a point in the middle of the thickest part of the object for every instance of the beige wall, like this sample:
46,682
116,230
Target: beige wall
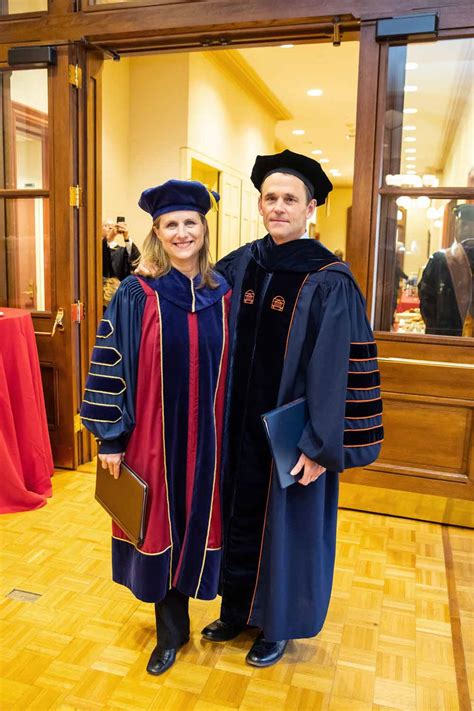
461,156
144,127
116,124
331,220
226,123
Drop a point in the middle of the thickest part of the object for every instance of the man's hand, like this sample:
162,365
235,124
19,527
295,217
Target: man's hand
113,462
312,470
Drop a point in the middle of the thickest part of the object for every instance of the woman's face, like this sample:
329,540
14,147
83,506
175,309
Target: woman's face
182,236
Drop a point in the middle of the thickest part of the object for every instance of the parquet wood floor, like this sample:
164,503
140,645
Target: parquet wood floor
399,633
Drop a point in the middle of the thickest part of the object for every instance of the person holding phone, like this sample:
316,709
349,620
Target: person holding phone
117,260
155,397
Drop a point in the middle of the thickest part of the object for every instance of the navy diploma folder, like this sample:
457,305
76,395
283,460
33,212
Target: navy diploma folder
284,427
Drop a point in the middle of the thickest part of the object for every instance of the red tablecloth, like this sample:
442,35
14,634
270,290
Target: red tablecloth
26,463
407,302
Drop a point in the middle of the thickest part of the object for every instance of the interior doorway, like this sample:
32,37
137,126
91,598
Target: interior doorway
206,115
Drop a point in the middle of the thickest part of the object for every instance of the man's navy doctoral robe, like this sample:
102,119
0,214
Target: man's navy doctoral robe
156,391
299,329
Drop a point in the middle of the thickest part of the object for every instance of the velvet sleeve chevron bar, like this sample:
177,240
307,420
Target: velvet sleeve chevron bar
108,406
343,382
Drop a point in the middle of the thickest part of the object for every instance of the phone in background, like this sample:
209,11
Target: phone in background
120,223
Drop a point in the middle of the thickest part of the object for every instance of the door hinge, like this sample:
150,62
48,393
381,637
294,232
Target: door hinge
75,196
78,426
75,75
77,312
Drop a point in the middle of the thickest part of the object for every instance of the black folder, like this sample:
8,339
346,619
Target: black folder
284,427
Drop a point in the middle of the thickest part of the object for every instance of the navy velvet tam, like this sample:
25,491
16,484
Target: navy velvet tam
304,168
177,195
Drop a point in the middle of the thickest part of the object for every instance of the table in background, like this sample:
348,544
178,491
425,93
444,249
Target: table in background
26,463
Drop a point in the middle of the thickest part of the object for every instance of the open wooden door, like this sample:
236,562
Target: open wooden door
42,220
416,135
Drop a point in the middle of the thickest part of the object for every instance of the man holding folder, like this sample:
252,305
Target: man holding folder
300,331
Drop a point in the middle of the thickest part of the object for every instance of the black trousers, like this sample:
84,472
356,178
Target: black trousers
172,620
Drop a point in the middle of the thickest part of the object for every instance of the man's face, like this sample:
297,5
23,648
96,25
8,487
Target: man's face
284,207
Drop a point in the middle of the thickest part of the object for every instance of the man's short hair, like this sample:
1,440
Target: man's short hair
309,197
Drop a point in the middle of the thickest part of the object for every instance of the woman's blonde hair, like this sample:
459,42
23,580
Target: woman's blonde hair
157,263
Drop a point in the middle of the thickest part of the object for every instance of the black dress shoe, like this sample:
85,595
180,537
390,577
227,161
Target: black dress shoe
264,654
219,631
162,659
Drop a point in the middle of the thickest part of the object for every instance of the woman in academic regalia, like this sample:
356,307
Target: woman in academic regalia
154,396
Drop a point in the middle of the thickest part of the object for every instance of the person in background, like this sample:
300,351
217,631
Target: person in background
155,396
117,260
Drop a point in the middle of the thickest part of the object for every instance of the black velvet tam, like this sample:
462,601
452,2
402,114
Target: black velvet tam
176,195
304,168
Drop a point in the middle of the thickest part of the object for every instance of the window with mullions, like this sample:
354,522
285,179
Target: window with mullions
25,250
15,7
425,266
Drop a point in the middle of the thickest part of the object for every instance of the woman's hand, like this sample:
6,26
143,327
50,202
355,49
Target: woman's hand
113,462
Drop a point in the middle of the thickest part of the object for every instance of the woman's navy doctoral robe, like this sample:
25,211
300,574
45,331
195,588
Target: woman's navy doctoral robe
156,391
299,328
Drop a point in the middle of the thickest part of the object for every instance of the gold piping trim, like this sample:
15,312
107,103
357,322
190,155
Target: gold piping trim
351,446
193,305
106,392
369,417
373,399
328,265
375,387
363,429
106,320
108,365
215,446
362,372
101,404
125,540
164,439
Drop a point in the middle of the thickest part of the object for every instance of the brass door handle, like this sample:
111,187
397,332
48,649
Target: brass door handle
57,325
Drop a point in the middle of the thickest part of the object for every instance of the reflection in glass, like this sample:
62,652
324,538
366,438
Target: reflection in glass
429,121
25,129
446,285
25,267
14,7
427,271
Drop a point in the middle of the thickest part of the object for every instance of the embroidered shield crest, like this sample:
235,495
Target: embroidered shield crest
249,297
278,303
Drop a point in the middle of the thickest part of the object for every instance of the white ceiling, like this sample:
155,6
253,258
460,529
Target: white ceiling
326,119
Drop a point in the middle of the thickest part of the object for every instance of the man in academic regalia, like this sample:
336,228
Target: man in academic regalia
300,329
446,288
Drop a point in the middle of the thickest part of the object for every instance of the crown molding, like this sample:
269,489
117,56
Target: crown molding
240,70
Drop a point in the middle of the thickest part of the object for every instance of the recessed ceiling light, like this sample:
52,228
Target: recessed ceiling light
409,128
286,46
410,111
335,171
411,65
324,160
315,92
410,150
410,158
317,152
410,88
411,172
410,139
298,132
